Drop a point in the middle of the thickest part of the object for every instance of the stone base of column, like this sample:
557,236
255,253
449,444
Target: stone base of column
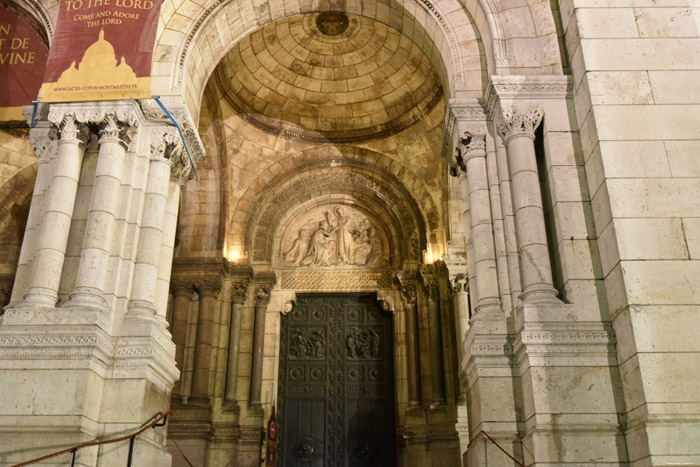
86,298
488,378
571,390
74,383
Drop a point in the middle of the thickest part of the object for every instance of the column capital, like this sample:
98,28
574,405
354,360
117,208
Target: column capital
182,161
70,126
406,281
167,145
469,145
459,283
118,124
513,122
262,295
239,291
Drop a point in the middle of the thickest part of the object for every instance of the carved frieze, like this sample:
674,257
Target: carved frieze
335,280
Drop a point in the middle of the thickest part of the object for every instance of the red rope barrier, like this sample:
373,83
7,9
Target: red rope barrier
96,443
482,432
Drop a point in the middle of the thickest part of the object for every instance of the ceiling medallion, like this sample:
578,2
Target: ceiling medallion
332,23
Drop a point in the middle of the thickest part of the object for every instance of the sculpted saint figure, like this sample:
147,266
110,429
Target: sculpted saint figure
295,255
321,250
344,237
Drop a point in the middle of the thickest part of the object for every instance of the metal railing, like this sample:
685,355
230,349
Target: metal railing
482,432
155,423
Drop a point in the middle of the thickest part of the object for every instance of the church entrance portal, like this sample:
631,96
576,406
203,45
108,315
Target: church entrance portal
336,394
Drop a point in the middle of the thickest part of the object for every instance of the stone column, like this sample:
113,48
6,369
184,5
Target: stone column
432,293
460,290
517,127
164,146
44,144
203,347
262,298
115,134
58,210
472,158
238,298
408,292
181,310
471,266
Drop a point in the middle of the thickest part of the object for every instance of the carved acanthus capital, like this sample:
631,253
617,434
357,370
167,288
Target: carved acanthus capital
44,142
262,295
513,122
69,127
239,291
120,125
406,281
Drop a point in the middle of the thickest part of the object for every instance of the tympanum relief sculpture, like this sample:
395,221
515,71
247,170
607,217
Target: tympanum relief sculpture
334,236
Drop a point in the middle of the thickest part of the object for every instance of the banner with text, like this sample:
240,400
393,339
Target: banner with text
102,50
23,54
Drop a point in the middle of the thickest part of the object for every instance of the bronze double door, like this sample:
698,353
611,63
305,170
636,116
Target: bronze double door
336,393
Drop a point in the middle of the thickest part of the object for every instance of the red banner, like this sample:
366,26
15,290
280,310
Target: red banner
271,450
102,50
23,54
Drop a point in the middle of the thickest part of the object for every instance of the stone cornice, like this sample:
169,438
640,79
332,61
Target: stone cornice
530,89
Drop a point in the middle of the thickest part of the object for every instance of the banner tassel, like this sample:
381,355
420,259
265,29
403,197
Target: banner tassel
194,169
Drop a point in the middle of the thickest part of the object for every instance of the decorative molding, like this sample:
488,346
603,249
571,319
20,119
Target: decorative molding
508,89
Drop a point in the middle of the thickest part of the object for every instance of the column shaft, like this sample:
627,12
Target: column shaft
438,382
167,248
529,216
471,264
203,346
178,329
518,129
412,362
150,235
94,256
234,342
482,225
58,213
23,274
262,297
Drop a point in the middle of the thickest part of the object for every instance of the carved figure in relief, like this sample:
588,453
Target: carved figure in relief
342,237
345,237
296,254
321,250
363,343
312,346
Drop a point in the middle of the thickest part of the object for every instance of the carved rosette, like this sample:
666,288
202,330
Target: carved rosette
515,122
